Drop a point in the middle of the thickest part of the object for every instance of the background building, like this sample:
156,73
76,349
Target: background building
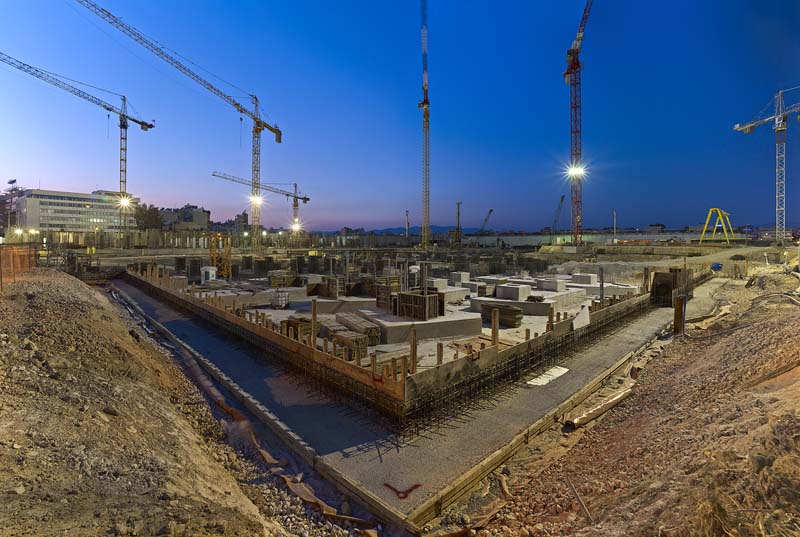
186,218
72,218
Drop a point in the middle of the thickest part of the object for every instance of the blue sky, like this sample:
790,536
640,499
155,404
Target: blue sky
663,85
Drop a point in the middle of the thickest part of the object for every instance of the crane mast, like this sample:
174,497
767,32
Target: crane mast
780,124
576,170
259,125
122,111
424,104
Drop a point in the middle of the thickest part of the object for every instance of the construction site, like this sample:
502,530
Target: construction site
433,381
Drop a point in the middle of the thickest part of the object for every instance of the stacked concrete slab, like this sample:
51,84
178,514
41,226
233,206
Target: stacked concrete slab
457,278
513,292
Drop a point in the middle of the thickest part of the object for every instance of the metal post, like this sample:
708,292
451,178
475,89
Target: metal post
602,284
678,319
314,323
495,326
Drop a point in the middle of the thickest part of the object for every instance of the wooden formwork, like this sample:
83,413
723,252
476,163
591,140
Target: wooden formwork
418,306
383,294
355,343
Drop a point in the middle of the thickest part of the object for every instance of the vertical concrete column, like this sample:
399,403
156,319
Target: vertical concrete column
550,313
558,317
325,345
291,332
314,323
334,347
412,342
404,369
439,353
495,326
527,334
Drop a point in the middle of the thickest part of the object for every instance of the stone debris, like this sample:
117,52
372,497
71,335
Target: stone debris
102,433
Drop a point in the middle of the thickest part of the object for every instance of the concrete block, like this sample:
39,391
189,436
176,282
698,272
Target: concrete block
513,292
548,284
590,279
440,284
459,277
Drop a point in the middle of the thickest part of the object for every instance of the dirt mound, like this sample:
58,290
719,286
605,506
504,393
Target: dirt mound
707,445
100,434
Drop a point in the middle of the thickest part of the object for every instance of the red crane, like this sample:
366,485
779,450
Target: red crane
576,170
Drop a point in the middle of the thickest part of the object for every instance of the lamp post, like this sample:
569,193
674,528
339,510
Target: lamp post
123,202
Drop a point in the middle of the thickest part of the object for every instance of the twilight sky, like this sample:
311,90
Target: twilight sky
663,85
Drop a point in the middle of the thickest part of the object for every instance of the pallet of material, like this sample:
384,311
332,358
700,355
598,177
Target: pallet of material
355,343
329,327
362,326
510,316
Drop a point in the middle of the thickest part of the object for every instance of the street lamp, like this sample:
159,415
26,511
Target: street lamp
123,202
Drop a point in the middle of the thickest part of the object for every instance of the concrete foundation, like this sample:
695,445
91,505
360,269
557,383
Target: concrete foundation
396,329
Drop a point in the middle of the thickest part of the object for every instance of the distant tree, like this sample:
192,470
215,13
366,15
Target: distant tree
148,217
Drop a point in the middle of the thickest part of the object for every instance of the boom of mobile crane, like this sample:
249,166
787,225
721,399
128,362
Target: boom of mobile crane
122,112
554,228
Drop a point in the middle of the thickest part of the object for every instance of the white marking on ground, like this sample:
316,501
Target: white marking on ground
548,376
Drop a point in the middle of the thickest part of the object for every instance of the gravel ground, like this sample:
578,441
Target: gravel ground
101,433
707,445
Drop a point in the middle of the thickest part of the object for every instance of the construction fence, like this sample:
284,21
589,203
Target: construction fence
15,260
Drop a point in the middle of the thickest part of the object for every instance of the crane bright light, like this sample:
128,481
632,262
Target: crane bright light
124,202
575,171
256,200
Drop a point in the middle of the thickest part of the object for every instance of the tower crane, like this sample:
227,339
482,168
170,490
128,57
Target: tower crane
424,104
554,229
576,170
259,125
780,124
122,112
295,196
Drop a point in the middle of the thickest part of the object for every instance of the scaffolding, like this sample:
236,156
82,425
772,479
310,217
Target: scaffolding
219,251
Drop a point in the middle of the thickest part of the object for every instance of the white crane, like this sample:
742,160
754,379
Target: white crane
259,125
122,112
780,123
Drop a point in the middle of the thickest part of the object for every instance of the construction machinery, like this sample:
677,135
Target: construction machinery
485,221
295,196
259,125
576,170
722,225
424,104
780,124
121,112
408,227
554,228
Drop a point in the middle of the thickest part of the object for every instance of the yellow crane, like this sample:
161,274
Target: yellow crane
723,221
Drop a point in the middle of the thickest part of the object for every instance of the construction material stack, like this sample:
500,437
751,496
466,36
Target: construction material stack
361,325
510,316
